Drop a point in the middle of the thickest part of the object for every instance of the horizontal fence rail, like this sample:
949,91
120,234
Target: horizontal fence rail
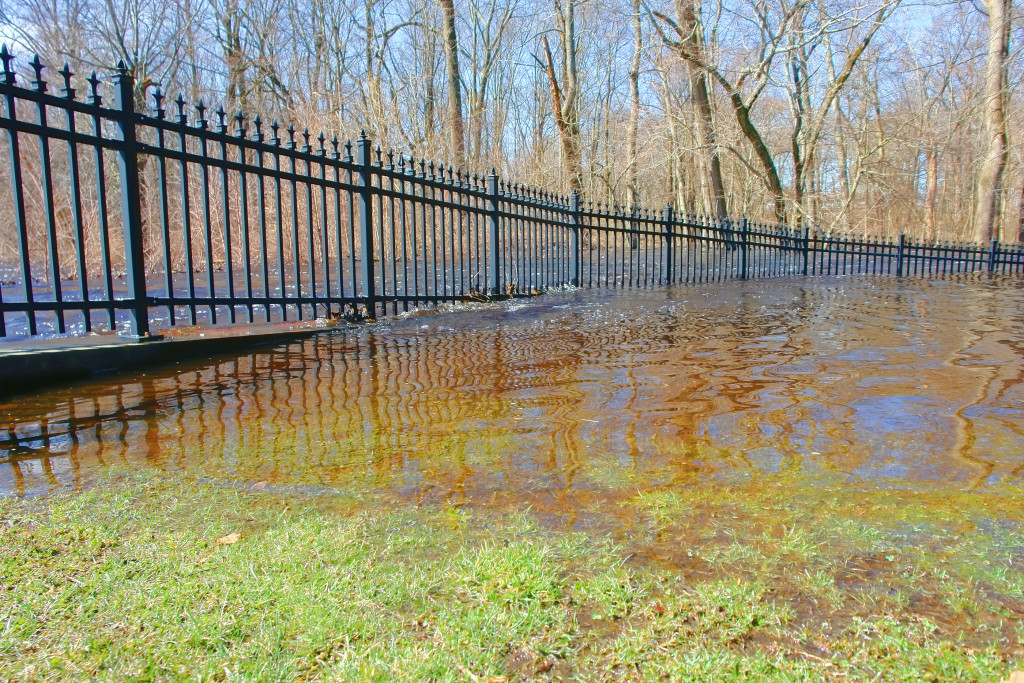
131,221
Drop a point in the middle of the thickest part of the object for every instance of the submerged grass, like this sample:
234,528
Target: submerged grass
128,581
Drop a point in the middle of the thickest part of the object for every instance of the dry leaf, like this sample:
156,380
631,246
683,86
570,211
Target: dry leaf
496,679
1016,677
230,539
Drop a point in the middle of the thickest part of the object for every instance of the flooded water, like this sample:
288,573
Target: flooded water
567,401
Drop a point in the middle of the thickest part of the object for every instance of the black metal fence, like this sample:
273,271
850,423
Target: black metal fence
118,219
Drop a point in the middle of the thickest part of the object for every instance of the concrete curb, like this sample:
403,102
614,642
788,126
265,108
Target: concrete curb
29,366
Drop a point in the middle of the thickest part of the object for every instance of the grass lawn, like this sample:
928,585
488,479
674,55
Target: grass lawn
171,579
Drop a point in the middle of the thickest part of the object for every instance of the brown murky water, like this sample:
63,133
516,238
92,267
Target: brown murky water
570,400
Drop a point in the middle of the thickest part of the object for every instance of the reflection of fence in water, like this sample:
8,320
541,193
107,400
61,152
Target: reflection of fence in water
666,385
127,219
365,408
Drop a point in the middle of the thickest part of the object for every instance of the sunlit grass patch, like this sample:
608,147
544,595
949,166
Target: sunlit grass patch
172,579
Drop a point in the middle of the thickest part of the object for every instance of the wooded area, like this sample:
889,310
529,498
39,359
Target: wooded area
879,117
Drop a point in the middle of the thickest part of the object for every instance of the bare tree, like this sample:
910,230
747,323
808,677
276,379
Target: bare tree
990,179
634,104
451,55
565,91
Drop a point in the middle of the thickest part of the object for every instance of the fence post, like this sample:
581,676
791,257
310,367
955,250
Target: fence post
899,254
669,274
131,207
493,225
575,259
366,224
992,253
743,248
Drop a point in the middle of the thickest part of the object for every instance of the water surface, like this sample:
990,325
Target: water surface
573,399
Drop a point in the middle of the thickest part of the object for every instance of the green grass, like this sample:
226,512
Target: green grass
127,582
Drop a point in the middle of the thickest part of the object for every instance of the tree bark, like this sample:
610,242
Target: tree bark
451,55
1020,218
565,97
931,192
634,105
693,40
990,178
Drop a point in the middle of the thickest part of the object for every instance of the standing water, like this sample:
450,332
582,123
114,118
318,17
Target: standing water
572,400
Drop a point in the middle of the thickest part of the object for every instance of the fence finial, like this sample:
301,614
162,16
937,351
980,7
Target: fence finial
7,58
38,67
158,99
66,74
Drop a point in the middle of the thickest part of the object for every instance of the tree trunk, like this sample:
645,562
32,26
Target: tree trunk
451,54
990,179
1020,219
565,98
693,39
931,191
429,96
634,105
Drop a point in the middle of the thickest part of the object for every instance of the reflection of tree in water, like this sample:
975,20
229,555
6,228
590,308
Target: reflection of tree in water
991,383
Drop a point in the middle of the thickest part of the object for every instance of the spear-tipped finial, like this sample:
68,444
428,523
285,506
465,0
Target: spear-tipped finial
94,88
180,102
7,57
38,67
239,123
66,75
158,99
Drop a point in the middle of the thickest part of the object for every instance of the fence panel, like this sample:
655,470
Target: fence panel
131,221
